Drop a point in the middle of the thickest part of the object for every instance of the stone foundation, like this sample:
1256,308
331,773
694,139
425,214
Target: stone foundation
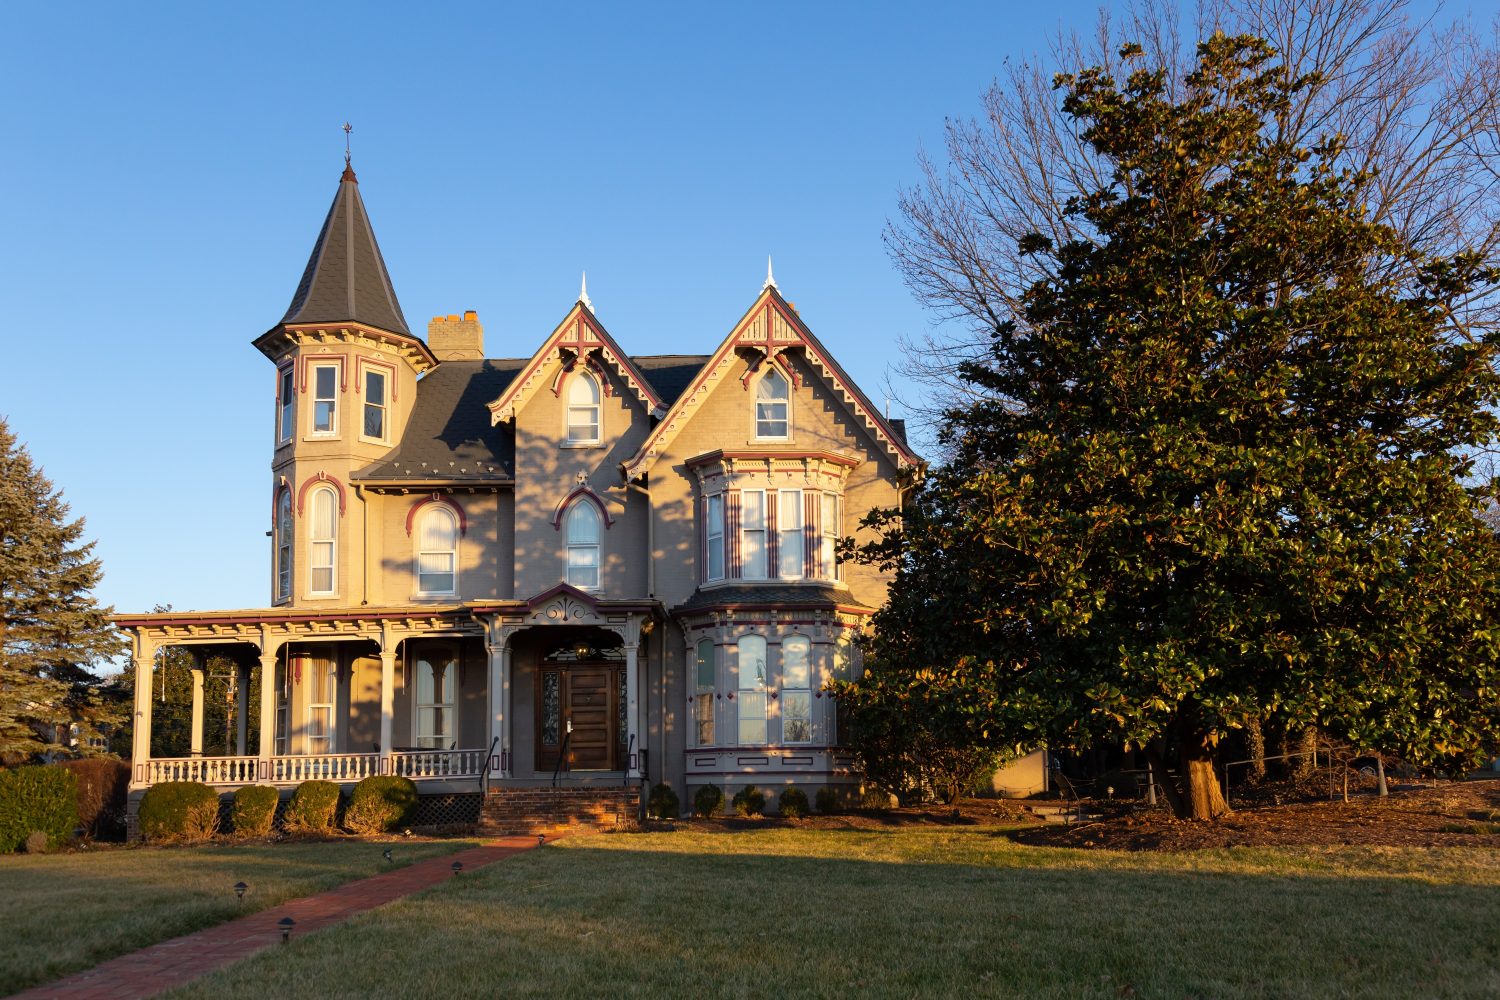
551,810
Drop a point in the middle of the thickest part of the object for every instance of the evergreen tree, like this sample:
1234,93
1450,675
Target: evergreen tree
51,628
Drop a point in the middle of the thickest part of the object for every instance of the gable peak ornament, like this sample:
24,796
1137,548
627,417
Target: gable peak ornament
583,293
770,278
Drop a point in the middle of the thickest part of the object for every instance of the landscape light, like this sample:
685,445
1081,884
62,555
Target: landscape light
458,866
387,855
286,924
239,890
541,839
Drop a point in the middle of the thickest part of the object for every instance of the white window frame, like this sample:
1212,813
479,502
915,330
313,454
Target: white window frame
444,701
715,568
286,400
789,525
283,706
285,544
770,401
799,693
580,549
322,674
829,525
425,551
332,400
384,406
594,406
753,551
701,700
318,546
750,690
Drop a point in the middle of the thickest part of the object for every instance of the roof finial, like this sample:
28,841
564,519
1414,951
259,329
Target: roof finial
583,293
770,278
348,170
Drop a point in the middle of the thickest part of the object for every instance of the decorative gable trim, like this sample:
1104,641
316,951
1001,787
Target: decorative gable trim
579,335
321,477
770,329
442,501
586,493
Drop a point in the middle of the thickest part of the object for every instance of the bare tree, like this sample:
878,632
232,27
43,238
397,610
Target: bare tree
1416,99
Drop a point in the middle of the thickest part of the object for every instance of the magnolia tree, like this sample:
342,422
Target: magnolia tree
1211,463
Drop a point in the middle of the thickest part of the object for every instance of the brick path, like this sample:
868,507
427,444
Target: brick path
160,967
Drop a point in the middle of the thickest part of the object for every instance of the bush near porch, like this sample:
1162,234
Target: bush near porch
381,803
179,811
37,799
314,808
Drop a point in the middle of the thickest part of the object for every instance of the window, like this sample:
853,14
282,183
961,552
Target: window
437,551
753,534
715,568
324,540
286,396
375,396
583,409
796,690
325,399
773,406
751,696
828,565
789,534
282,699
583,546
703,697
322,694
284,546
437,672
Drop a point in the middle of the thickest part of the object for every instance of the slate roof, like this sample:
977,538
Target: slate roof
670,374
768,595
449,436
345,279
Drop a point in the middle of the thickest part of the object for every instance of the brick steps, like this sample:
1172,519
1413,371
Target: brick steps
512,811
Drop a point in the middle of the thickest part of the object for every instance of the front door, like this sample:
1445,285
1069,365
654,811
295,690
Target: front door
579,708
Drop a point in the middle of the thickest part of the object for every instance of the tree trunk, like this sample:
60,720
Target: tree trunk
1307,747
1255,741
1159,774
1203,798
1380,775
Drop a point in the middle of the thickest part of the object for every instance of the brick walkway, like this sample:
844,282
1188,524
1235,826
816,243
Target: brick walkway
160,967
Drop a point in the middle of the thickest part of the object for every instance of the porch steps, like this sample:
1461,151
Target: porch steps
511,811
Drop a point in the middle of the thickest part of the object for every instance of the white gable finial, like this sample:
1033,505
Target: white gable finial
583,293
770,278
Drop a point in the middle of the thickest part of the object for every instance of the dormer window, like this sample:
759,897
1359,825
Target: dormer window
325,400
583,409
773,407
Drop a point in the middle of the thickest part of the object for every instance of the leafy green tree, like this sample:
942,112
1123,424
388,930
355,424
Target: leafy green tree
1214,472
51,628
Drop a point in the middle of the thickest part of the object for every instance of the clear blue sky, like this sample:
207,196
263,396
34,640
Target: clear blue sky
165,170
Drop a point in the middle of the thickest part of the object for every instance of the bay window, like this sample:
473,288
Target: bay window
796,690
751,690
286,398
284,546
828,565
753,534
325,400
375,404
703,696
715,568
789,534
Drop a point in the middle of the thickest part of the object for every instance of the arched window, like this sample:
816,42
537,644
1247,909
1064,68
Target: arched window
583,545
703,694
437,551
284,546
583,409
751,693
773,404
323,540
796,690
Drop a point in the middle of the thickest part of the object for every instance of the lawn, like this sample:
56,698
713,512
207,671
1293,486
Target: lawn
913,912
66,912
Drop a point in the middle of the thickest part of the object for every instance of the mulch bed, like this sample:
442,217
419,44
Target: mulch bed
967,812
1453,814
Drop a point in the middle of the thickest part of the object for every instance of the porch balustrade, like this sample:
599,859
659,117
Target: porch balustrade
418,764
324,767
208,770
341,767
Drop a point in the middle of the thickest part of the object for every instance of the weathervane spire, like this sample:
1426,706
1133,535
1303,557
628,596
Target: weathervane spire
583,293
348,170
770,278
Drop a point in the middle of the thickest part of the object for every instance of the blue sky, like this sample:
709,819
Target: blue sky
165,170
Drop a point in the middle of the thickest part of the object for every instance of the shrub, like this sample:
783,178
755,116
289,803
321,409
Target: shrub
314,807
103,784
381,803
749,801
36,842
827,800
708,800
793,803
37,799
663,802
255,810
179,810
873,797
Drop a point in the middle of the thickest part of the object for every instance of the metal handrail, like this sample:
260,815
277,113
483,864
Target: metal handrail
562,756
484,772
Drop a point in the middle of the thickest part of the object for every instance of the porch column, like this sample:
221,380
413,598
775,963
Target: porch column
267,710
635,738
387,704
499,688
140,734
241,707
195,738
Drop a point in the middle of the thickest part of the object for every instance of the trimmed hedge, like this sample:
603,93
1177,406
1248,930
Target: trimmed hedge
827,800
314,808
103,783
381,803
662,802
179,810
39,799
255,810
793,803
708,801
749,801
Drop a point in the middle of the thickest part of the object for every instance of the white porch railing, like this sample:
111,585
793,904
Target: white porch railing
324,767
419,764
209,770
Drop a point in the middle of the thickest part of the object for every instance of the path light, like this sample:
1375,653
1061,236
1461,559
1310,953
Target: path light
541,839
387,855
458,866
239,891
286,924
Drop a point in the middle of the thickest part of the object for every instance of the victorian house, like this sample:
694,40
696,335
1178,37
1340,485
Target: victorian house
548,580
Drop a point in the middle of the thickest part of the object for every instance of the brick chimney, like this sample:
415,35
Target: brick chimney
454,338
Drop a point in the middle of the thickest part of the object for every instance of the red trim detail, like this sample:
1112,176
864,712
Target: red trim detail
567,501
442,501
313,480
719,456
561,588
361,363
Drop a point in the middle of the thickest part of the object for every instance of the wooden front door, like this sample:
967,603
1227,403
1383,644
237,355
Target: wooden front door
579,708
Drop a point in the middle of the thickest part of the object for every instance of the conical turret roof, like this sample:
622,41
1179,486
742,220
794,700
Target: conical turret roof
345,280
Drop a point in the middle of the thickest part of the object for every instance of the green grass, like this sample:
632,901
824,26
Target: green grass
912,913
67,912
